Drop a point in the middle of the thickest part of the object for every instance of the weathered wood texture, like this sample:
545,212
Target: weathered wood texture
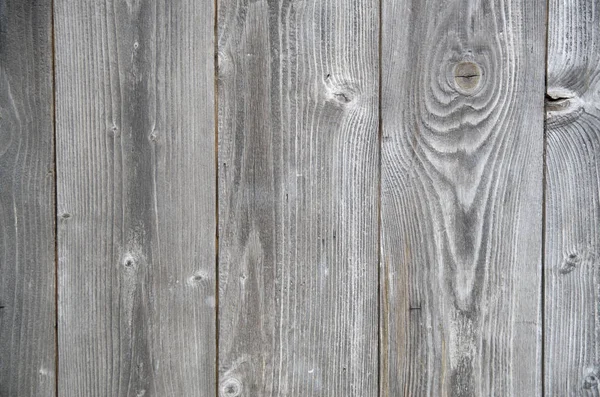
572,291
27,252
136,197
298,194
462,115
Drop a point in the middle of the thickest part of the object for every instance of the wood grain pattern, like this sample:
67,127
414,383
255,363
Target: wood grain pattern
462,109
136,197
298,184
27,252
572,319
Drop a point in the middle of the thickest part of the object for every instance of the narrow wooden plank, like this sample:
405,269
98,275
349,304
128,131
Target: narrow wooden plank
572,319
462,110
298,187
136,197
27,245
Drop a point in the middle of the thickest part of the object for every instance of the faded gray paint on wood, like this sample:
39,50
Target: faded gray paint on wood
298,198
27,304
136,197
462,140
572,295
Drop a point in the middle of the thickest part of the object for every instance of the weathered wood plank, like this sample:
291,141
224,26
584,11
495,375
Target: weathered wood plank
136,197
27,244
462,110
572,319
298,184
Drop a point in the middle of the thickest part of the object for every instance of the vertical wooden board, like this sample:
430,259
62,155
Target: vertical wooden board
572,318
136,197
27,257
298,184
462,158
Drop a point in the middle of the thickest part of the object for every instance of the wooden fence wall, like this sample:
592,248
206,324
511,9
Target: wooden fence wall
299,198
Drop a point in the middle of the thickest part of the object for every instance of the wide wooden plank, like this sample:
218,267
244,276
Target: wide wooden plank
462,161
136,197
27,245
298,184
572,319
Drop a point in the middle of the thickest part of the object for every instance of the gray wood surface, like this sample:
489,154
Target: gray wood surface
298,194
462,141
366,242
572,295
27,251
136,197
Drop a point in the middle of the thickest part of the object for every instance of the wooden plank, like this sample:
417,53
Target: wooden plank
27,244
462,114
298,187
572,319
136,197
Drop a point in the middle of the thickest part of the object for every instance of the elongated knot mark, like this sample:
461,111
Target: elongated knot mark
342,97
557,101
467,76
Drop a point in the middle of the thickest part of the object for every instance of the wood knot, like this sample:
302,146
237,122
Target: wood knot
570,262
198,277
467,76
113,130
231,387
342,91
129,261
590,381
